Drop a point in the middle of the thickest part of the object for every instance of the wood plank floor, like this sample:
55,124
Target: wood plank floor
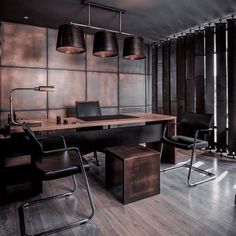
207,209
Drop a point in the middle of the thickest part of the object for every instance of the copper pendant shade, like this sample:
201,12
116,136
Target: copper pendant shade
105,44
134,48
70,39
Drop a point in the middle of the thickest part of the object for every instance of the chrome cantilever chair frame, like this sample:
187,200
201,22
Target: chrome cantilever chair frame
189,163
63,195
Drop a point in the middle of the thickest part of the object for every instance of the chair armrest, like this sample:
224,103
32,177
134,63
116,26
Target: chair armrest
75,149
45,139
205,130
199,131
166,125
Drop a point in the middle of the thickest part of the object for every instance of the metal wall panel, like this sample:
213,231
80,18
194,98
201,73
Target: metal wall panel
221,85
148,90
149,109
132,109
232,84
199,71
132,90
148,76
109,110
22,77
75,77
70,86
148,59
103,87
166,77
190,74
40,114
181,75
58,60
67,112
23,45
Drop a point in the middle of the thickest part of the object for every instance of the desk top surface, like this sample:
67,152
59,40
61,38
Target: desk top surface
73,123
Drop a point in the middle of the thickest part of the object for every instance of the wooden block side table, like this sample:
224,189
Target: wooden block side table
132,172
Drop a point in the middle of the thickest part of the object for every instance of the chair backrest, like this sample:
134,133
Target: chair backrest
190,122
36,144
90,108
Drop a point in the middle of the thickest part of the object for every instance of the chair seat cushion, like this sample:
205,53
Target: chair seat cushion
58,165
184,142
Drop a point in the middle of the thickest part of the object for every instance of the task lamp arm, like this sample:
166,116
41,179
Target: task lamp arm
39,89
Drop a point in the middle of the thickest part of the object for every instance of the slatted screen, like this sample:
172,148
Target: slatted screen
232,84
154,78
190,74
209,67
196,72
199,71
181,75
173,77
160,79
209,42
221,85
166,77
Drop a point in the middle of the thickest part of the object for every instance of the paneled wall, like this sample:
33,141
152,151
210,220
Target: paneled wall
29,58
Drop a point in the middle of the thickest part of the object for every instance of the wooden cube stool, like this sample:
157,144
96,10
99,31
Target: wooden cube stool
132,172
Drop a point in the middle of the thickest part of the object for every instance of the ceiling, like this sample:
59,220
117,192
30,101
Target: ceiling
152,19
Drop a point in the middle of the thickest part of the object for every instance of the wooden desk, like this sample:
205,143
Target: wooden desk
74,123
149,131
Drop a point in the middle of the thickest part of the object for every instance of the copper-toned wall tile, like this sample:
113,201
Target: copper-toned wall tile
18,78
148,90
69,112
148,59
23,45
69,87
52,114
149,109
132,90
61,60
132,109
109,64
103,87
25,115
109,111
130,66
127,110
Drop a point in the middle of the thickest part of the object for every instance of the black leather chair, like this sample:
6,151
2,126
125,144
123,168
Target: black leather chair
190,127
55,164
88,109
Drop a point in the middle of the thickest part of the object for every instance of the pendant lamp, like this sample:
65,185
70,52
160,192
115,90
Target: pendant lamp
105,44
133,48
70,39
